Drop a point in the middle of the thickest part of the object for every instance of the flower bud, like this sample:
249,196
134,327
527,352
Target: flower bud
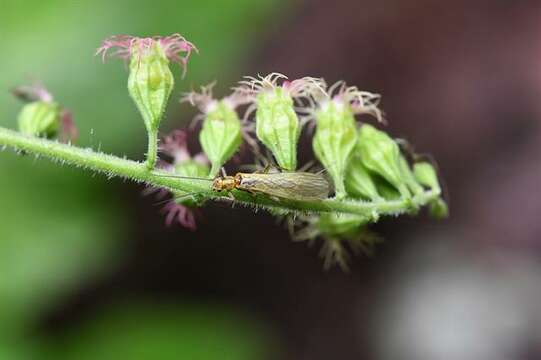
426,175
387,191
221,133
408,176
336,131
359,182
334,141
438,209
40,118
150,81
277,124
380,154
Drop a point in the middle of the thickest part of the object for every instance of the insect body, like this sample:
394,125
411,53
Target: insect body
288,185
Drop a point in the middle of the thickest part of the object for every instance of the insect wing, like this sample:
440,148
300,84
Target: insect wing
294,185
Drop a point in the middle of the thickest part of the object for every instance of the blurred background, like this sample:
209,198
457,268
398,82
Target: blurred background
88,270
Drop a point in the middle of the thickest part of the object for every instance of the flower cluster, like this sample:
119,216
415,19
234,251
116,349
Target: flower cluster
370,174
364,163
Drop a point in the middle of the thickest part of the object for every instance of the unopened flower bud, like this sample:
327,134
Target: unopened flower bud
278,127
387,191
438,209
426,175
380,154
334,140
221,134
277,124
336,130
40,118
150,81
408,176
359,181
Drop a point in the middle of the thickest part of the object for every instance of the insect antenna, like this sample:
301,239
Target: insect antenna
184,177
174,198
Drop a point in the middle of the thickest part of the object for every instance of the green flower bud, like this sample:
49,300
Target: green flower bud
336,131
150,84
386,190
150,81
221,133
438,209
359,182
408,176
426,175
334,140
277,124
40,118
380,154
220,136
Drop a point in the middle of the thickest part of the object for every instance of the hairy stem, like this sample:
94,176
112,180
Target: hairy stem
139,172
152,150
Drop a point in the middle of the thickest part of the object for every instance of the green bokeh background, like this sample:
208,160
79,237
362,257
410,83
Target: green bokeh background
59,227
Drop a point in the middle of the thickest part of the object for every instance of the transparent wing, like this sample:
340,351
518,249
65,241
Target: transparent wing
293,185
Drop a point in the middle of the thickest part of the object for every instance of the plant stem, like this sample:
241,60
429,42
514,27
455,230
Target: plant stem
137,171
152,150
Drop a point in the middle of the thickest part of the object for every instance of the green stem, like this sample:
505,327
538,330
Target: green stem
214,170
152,151
136,171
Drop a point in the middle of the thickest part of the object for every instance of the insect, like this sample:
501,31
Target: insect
288,185
285,185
